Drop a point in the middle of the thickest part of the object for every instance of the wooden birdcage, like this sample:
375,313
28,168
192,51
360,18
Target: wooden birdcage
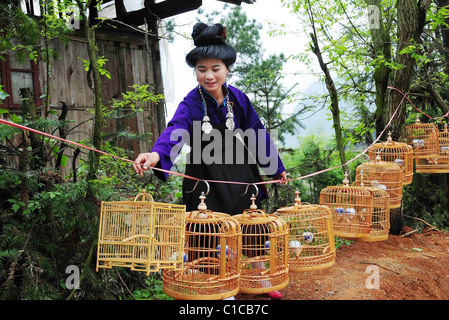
264,251
397,152
380,217
351,208
384,175
311,235
140,235
212,257
423,137
440,162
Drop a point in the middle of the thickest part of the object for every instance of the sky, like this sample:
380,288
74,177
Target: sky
179,77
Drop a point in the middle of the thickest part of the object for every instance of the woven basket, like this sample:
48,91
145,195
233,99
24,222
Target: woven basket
396,152
311,235
264,251
351,208
140,235
212,254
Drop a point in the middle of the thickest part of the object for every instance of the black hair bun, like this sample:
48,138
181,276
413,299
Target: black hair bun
210,42
204,35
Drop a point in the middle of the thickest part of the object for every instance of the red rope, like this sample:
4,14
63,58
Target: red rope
19,126
447,114
16,125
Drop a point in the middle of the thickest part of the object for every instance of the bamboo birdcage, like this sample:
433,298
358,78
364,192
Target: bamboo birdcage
351,208
380,217
212,255
443,139
311,235
397,152
264,251
140,235
423,137
439,163
384,175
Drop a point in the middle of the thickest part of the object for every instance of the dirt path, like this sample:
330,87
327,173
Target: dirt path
414,267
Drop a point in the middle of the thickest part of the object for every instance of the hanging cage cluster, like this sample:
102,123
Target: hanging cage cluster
140,235
438,163
264,251
211,255
311,242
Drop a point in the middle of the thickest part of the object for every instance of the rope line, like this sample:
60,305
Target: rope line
16,125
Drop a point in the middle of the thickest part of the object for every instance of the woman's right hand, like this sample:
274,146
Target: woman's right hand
145,161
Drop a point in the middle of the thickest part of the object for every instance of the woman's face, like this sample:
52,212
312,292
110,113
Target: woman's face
211,74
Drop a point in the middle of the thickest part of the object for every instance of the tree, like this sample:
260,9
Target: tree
411,17
372,46
242,33
263,83
330,85
94,70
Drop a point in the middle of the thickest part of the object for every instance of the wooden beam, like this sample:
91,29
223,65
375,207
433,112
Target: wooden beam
236,2
120,9
169,8
160,10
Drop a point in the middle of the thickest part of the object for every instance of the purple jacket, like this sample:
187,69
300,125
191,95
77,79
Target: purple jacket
245,117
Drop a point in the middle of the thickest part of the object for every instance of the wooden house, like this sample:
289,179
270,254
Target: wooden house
128,40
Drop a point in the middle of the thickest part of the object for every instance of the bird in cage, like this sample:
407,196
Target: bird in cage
308,236
445,150
295,247
267,246
418,143
175,256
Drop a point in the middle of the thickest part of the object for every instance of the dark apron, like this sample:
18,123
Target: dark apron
223,197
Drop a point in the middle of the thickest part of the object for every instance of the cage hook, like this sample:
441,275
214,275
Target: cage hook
196,184
364,154
255,186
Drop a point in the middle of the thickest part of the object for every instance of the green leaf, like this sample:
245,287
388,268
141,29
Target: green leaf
15,207
15,118
3,95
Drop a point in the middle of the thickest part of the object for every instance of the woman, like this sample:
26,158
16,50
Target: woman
227,139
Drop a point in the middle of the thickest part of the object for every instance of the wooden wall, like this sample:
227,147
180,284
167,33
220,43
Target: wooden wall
129,63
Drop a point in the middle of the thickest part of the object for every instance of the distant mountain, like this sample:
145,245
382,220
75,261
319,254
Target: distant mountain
314,121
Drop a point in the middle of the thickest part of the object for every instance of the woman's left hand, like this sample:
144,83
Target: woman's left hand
282,177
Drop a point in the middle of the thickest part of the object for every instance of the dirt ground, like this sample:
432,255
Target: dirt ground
412,267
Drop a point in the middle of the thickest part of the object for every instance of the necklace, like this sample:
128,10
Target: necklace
206,127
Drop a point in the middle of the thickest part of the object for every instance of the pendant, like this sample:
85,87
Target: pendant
230,120
230,124
206,126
